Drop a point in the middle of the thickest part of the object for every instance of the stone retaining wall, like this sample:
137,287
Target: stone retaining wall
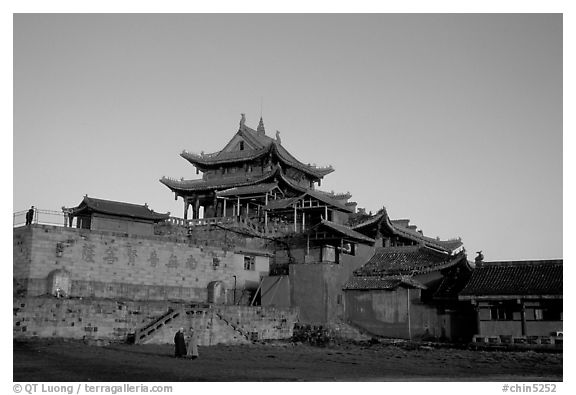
114,320
115,265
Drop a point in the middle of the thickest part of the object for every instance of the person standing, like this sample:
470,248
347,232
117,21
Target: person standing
192,345
30,216
179,344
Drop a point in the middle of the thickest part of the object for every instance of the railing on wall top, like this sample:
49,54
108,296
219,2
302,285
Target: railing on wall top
44,217
59,218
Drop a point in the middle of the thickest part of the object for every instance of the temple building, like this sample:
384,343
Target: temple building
255,178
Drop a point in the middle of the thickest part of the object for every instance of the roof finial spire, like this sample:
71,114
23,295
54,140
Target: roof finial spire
242,119
260,128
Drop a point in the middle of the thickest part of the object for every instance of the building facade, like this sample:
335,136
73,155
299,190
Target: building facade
517,298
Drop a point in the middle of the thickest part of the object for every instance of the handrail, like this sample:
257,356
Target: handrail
62,219
144,332
41,216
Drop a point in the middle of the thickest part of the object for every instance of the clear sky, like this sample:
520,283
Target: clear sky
451,120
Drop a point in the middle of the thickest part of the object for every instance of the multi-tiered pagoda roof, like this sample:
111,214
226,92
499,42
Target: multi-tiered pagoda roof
254,167
248,146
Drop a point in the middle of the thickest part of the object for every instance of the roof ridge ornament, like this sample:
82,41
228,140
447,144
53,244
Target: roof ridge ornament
260,129
242,120
278,140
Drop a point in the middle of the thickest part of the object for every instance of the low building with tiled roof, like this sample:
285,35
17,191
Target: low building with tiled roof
517,298
411,292
109,215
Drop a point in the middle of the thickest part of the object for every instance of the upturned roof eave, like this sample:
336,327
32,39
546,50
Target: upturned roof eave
214,161
346,232
202,186
384,219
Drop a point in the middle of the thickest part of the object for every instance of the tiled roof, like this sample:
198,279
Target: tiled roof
328,200
223,157
110,207
515,278
283,203
381,283
218,183
452,283
334,195
407,260
369,223
395,227
262,145
346,231
255,138
257,189
291,160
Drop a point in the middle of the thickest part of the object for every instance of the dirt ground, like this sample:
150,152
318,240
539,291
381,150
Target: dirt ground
57,360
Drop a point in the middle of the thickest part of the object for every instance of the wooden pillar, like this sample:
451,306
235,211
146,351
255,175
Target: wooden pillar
408,312
477,309
224,208
238,207
326,213
186,208
303,221
523,317
266,212
196,208
295,218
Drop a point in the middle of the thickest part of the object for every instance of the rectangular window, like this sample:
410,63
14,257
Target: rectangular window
501,313
215,262
249,263
349,249
538,314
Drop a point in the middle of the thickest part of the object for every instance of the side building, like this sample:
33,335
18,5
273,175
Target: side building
409,287
516,299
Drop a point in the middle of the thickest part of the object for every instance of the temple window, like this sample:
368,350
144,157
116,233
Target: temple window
241,145
249,262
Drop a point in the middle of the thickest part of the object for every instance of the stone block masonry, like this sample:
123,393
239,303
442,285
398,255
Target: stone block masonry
113,320
102,264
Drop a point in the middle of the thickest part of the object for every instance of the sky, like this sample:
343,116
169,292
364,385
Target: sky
451,120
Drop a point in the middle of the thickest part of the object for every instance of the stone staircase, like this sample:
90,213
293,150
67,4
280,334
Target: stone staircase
146,332
201,312
236,328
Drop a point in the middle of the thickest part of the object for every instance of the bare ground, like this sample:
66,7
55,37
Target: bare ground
58,360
